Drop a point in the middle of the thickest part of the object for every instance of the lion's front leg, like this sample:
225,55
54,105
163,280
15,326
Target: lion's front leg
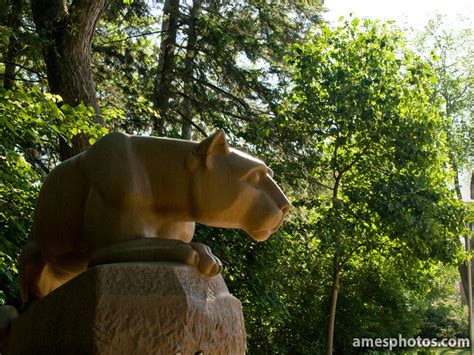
153,249
146,249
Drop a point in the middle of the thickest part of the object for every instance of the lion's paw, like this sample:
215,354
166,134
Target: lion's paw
208,264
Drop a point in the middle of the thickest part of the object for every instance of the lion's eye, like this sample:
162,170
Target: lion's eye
254,178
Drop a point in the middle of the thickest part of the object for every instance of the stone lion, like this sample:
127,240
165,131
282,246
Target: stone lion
135,198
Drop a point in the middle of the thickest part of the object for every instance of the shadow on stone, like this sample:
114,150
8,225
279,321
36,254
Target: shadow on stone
133,308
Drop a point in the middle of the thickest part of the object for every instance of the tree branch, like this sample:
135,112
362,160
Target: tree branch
201,130
23,67
317,182
24,80
356,159
143,34
225,93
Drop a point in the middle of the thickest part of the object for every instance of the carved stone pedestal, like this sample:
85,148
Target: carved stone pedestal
133,308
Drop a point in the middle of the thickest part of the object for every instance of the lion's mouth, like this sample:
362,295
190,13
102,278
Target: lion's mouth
260,236
284,213
263,234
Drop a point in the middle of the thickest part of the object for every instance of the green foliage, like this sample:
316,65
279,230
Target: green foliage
31,126
238,69
365,125
350,123
28,65
386,302
444,313
125,45
449,52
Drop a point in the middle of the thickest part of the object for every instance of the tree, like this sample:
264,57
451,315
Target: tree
167,61
449,52
66,31
123,56
11,55
21,59
229,71
188,70
31,124
202,75
195,78
363,121
444,312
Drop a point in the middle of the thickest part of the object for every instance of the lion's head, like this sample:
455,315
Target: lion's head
234,190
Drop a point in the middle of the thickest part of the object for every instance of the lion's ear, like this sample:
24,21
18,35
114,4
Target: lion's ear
215,143
202,154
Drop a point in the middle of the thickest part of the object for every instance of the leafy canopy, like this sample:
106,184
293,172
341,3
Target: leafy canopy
365,123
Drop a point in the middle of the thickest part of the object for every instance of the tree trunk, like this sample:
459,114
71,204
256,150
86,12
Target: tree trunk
463,267
454,165
332,311
14,23
188,72
166,63
463,272
472,185
68,32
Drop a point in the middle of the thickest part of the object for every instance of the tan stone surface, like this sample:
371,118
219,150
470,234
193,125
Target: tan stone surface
133,308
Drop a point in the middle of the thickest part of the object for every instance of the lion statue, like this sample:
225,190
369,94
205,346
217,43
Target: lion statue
135,198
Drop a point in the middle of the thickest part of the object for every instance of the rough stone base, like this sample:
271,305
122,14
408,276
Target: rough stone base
133,308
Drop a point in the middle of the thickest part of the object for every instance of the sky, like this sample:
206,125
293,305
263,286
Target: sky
407,13
465,182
